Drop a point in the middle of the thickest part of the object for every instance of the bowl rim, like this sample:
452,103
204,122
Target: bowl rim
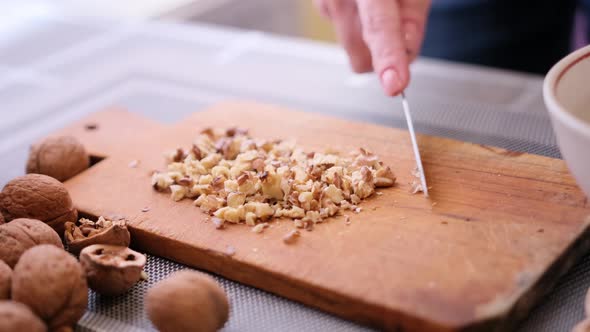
551,82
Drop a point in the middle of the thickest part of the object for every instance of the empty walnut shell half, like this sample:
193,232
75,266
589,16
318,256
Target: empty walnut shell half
21,234
87,233
187,301
59,157
38,197
52,283
16,316
111,270
5,281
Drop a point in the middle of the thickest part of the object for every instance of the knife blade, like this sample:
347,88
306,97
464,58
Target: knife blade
406,107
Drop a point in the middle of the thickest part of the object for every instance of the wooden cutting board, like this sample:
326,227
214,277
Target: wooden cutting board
499,228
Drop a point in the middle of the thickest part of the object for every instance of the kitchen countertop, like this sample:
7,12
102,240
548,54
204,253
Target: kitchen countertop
55,70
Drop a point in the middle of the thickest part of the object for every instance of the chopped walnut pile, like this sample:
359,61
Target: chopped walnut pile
237,178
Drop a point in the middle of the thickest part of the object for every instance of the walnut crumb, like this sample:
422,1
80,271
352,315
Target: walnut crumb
291,237
143,276
133,164
217,222
145,209
259,228
230,251
347,219
416,188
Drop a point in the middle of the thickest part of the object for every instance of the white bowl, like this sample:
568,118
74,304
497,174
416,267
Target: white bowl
567,95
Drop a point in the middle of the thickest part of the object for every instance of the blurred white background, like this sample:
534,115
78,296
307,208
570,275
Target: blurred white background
287,17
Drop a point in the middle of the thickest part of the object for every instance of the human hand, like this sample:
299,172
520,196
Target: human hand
380,35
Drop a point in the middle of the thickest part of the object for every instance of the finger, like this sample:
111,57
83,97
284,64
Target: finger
414,14
381,29
347,25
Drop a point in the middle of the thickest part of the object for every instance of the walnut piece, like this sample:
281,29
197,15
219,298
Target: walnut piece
187,301
416,187
111,270
5,281
40,197
291,237
240,179
103,231
16,316
60,157
53,284
21,234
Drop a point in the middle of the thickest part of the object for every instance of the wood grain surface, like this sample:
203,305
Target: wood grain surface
498,230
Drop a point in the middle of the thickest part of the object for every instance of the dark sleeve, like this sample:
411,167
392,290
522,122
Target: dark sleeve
585,7
525,35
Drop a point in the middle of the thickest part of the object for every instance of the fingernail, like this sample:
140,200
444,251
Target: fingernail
390,81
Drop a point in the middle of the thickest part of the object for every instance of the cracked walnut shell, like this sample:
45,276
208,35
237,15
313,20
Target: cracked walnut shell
111,270
38,197
53,284
60,157
16,316
187,301
103,231
21,234
5,281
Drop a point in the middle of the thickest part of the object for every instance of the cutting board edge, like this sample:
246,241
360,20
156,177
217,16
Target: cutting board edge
524,302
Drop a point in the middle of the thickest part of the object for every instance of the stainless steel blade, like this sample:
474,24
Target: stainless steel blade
406,108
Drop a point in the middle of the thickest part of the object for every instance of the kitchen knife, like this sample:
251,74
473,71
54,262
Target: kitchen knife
419,166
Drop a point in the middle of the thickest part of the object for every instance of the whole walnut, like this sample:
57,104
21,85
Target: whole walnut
5,281
21,234
16,316
111,270
38,197
60,157
52,283
187,301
